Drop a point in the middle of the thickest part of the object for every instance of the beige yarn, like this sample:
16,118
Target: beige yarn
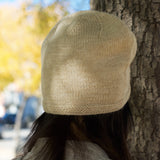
86,61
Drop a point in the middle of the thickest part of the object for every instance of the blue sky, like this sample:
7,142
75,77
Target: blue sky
75,5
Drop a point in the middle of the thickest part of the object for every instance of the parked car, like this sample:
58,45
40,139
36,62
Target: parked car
30,111
2,113
1,128
10,115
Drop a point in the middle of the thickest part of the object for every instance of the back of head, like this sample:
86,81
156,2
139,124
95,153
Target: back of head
86,64
85,82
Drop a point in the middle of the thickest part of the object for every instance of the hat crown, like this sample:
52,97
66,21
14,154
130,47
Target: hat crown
90,24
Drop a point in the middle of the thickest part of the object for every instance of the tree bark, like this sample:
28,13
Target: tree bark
143,18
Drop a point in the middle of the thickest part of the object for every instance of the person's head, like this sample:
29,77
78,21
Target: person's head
85,83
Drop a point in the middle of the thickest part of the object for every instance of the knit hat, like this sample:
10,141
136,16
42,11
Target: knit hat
86,61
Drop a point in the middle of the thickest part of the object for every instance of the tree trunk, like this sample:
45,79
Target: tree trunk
17,126
143,18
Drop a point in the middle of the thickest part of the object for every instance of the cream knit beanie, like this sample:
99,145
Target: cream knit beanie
86,61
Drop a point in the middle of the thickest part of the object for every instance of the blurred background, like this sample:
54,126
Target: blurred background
23,27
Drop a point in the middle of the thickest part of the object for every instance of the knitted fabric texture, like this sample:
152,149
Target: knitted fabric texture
86,61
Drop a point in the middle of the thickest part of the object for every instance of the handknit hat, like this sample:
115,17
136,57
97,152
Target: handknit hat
86,61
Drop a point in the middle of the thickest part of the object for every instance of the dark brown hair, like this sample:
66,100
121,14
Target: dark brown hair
109,131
